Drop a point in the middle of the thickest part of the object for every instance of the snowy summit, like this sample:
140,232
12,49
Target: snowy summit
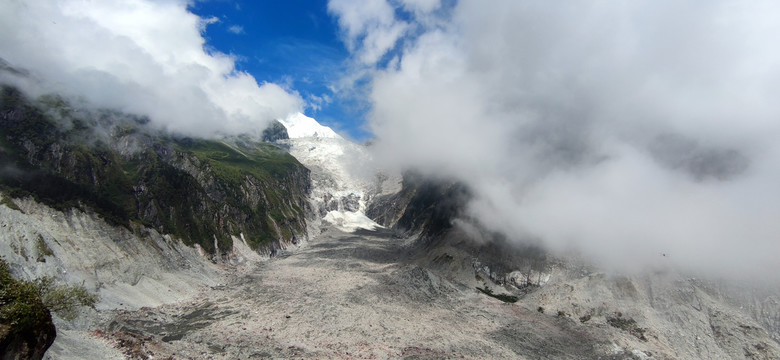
301,126
341,184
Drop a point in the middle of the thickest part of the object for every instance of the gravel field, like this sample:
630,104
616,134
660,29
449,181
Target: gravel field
366,295
344,296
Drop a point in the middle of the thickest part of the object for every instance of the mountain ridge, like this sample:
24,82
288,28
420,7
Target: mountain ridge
203,191
147,219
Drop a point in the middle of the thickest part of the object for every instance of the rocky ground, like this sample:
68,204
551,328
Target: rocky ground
344,296
366,295
353,296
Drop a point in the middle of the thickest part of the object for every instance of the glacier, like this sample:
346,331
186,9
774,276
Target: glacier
344,177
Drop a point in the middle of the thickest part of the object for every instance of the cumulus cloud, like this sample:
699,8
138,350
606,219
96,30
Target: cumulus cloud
370,27
139,56
623,130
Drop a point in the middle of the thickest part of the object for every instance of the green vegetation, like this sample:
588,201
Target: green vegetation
81,177
196,190
58,192
21,307
584,318
25,305
7,201
64,300
628,325
32,125
173,202
505,298
260,163
232,164
42,248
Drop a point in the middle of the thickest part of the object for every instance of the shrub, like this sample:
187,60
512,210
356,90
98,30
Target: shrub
24,303
42,248
20,306
7,201
64,300
628,325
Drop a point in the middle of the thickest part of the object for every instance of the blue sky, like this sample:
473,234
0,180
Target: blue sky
294,43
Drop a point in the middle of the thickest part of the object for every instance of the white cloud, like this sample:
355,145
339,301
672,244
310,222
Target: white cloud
236,29
140,56
622,129
370,27
421,6
203,23
315,102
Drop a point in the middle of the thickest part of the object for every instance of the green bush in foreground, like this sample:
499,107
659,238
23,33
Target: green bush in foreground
24,303
64,300
21,307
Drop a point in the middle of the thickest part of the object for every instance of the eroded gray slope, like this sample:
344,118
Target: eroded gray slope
127,269
661,312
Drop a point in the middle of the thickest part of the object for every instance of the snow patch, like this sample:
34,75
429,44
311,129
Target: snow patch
302,126
350,221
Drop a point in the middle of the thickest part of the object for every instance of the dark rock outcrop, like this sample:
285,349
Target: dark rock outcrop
423,206
275,132
433,211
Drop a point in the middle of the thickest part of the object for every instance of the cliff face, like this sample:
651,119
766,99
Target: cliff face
202,191
432,212
423,206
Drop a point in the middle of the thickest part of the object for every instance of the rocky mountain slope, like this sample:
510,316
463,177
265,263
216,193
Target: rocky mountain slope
139,217
660,313
201,191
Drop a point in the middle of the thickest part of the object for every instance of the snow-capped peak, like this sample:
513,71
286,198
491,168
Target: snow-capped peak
342,182
302,126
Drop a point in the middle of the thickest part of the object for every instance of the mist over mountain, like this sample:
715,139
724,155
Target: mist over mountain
546,180
621,131
186,242
138,56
